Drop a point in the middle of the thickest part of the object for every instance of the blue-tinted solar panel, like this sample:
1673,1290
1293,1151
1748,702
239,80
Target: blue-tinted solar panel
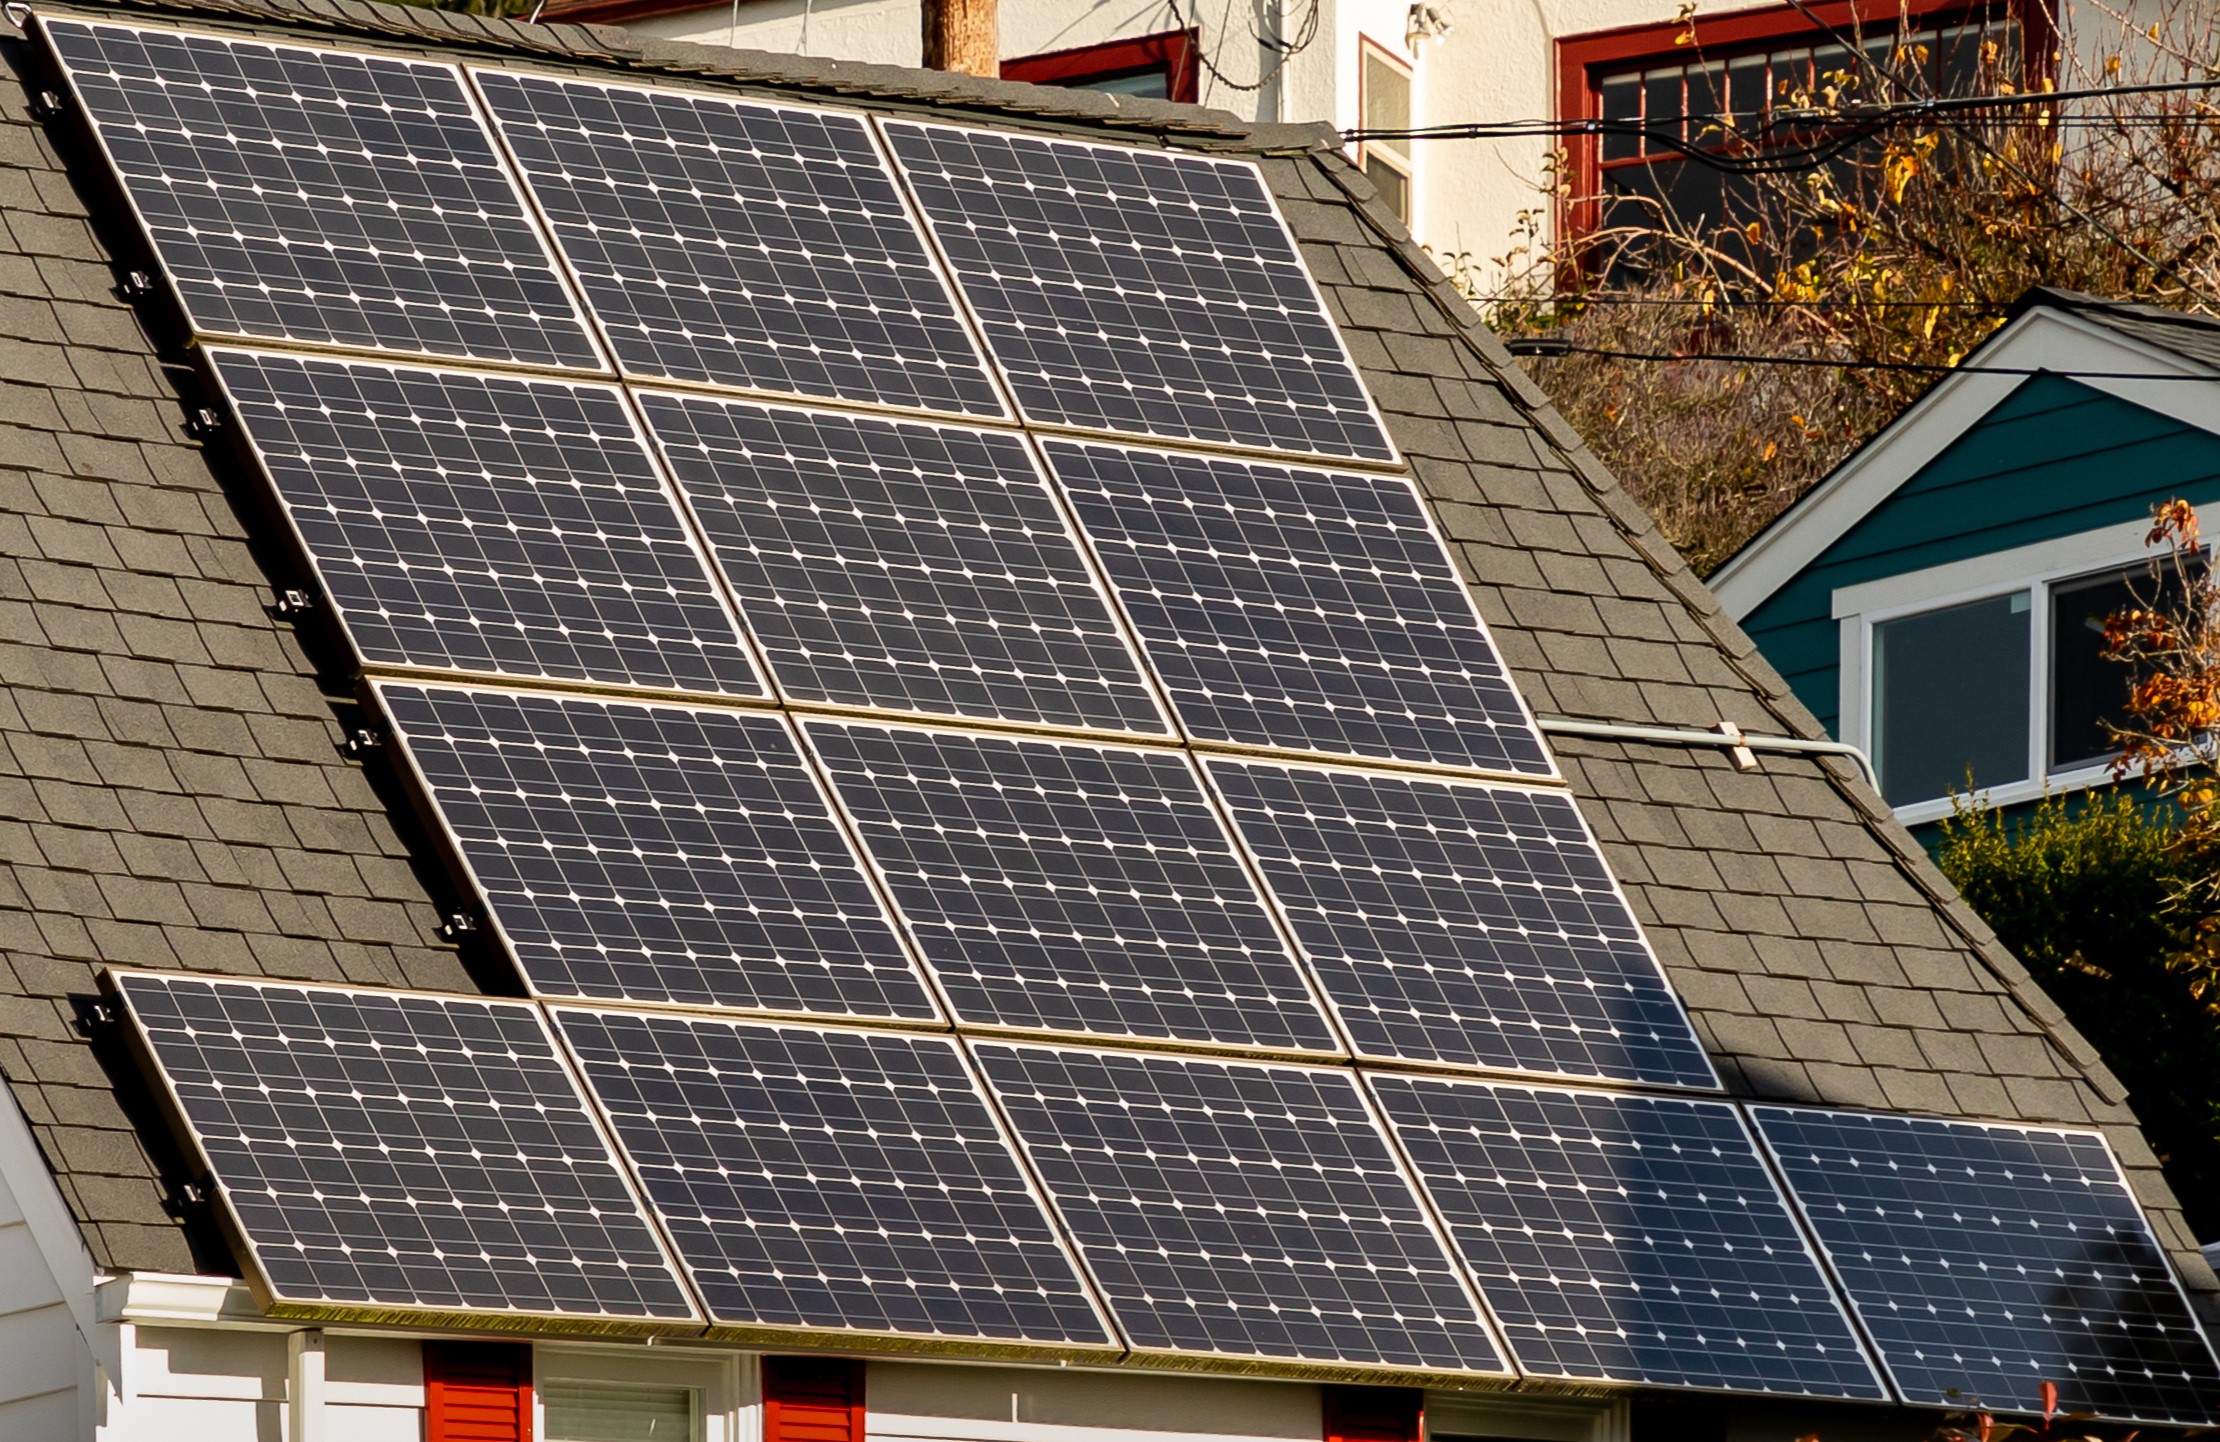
380,1150
1457,922
833,1181
1299,610
901,566
656,853
1239,1210
1140,292
1986,1260
1628,1239
1070,888
489,524
312,195
749,245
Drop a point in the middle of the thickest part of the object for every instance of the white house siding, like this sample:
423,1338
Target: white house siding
190,1384
46,1368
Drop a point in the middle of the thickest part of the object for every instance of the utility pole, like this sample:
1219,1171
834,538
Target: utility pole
961,35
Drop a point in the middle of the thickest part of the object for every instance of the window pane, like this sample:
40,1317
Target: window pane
617,1412
1155,84
1950,696
1387,93
1394,186
1621,99
2086,690
1661,105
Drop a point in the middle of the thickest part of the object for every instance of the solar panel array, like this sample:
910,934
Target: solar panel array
1007,850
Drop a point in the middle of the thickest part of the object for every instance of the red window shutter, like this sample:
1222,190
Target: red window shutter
477,1392
1373,1414
812,1399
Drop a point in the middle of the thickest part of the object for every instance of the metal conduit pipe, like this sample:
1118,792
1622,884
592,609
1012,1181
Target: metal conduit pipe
1728,736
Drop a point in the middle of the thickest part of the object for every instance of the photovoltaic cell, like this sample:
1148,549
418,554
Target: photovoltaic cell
1457,922
384,1150
833,1181
759,246
1986,1260
1140,292
1239,1210
656,853
1297,609
906,567
324,197
1070,888
480,523
1628,1239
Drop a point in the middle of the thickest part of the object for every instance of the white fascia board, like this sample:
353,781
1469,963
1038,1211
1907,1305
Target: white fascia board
159,1297
23,1172
2046,339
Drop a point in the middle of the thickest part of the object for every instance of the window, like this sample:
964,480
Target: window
595,1393
1992,668
1384,100
1746,64
1156,67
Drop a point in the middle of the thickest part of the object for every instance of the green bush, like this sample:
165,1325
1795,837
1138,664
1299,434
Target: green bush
2084,894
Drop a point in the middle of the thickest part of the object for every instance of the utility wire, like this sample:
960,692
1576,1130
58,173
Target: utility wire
1913,367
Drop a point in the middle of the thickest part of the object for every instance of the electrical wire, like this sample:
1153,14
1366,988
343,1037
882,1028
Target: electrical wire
1911,367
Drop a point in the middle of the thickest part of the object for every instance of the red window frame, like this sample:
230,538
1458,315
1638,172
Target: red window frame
1174,52
1584,61
812,1399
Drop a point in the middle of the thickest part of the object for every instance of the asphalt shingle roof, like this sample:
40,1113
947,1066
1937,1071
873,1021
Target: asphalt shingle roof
174,792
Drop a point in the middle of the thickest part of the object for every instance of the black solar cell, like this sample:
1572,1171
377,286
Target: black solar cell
1628,1239
1140,292
902,566
385,1150
488,524
828,1180
751,245
1073,888
1986,1260
656,853
318,196
1239,1210
1299,610
1459,922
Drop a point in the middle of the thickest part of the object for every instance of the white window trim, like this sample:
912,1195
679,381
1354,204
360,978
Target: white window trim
724,1384
2034,569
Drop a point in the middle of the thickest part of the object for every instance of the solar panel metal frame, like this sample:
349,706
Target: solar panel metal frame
1394,459
1211,763
423,798
270,499
1171,695
1754,1111
887,1342
119,192
1792,1218
1006,411
225,1212
1238,854
1254,1363
1082,549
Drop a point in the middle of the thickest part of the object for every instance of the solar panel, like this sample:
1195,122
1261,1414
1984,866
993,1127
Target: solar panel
320,196
833,1181
1627,1238
488,524
656,853
1140,292
1239,1210
1985,1260
1451,921
1070,888
750,245
906,567
380,1151
1299,610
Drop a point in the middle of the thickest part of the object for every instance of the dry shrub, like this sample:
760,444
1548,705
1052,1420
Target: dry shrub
1904,250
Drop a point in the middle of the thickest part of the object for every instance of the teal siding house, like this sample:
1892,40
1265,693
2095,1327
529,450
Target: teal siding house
1939,599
